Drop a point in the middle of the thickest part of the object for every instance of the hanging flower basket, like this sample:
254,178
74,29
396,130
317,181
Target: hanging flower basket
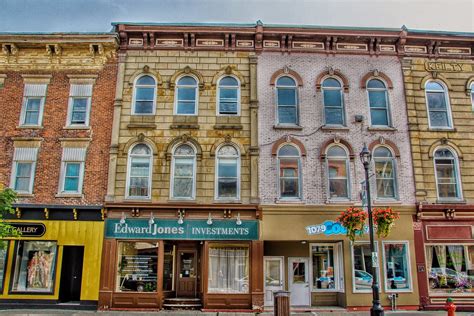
353,219
384,218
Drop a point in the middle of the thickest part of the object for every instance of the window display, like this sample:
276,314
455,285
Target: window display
34,266
450,268
397,270
137,267
228,270
323,267
362,261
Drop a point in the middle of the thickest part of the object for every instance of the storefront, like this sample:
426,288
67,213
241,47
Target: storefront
445,255
311,257
54,263
207,258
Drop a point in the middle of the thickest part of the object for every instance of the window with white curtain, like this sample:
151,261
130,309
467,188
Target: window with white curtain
34,96
228,269
186,96
385,173
183,175
229,96
378,103
287,101
337,162
144,95
447,174
289,172
80,96
437,101
333,100
228,173
139,172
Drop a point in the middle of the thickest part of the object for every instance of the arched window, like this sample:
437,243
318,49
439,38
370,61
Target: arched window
183,177
338,172
287,101
186,96
385,173
289,172
333,102
228,96
447,174
378,103
139,172
472,95
437,102
228,173
144,95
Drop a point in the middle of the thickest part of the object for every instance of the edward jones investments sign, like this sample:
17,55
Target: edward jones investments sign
190,229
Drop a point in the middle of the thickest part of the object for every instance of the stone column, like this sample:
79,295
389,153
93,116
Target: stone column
254,150
114,143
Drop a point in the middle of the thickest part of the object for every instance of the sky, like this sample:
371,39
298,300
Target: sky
96,15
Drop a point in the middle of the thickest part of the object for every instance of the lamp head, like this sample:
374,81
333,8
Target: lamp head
365,155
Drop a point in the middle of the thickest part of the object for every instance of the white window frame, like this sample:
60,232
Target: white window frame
387,102
41,106
348,172
196,100
457,172
172,175
134,95
448,105
338,251
32,175
216,172
343,103
71,103
300,174
297,101
354,289
129,169
410,285
395,176
472,94
218,96
63,177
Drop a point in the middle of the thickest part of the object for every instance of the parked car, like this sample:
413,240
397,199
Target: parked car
363,279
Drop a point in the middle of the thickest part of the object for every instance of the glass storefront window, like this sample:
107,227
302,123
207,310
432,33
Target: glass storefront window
137,266
362,267
228,270
397,270
34,266
323,267
168,267
450,268
3,261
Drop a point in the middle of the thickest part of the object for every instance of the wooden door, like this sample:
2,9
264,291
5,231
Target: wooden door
187,273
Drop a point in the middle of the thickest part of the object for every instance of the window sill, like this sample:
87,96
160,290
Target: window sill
334,128
69,195
289,201
338,201
81,127
440,129
386,201
228,126
293,127
30,127
189,201
142,125
381,129
216,201
25,195
184,126
451,201
138,199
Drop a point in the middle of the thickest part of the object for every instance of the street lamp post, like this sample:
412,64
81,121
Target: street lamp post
377,309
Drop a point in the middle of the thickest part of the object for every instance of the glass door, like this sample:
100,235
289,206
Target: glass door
274,277
327,267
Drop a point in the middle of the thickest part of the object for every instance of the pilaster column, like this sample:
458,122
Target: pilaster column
254,151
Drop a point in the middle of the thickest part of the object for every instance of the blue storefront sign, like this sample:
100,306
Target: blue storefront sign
329,228
189,230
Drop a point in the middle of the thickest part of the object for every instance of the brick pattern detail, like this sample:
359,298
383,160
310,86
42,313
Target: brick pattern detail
311,119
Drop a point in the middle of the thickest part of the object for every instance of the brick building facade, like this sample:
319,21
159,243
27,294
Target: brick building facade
58,93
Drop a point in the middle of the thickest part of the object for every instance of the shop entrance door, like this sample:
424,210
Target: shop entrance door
71,274
274,277
187,270
298,279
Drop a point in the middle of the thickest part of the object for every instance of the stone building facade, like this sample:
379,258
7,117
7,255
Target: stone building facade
56,96
438,86
183,159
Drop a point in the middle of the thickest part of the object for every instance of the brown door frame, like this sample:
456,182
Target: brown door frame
187,248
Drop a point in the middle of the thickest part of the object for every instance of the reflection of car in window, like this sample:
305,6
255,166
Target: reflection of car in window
363,279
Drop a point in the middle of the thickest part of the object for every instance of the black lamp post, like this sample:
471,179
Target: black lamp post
377,309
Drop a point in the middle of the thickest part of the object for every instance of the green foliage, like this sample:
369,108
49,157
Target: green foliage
7,198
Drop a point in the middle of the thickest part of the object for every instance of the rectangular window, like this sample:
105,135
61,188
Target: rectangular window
72,170
186,101
228,269
3,261
324,265
378,108
438,109
333,107
385,178
137,266
289,178
33,103
450,268
338,179
287,106
34,267
183,178
227,181
79,104
362,267
228,101
397,266
23,173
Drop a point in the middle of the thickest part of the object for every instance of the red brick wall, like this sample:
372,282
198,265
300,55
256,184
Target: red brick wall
54,119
